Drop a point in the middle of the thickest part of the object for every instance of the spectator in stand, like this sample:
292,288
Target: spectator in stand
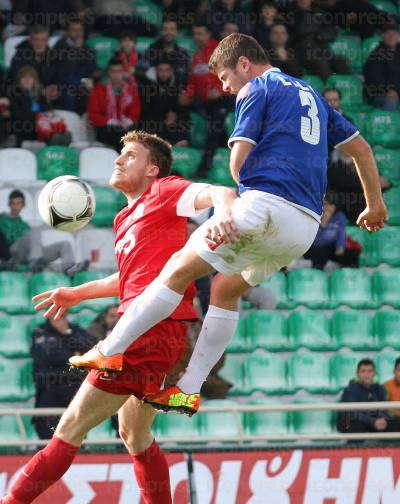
36,53
76,68
228,29
393,394
165,48
128,55
5,114
52,344
104,323
226,11
330,242
311,33
24,244
50,13
363,389
207,88
114,107
343,181
280,54
161,112
17,25
382,71
268,16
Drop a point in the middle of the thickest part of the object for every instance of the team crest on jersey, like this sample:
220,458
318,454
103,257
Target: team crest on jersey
244,91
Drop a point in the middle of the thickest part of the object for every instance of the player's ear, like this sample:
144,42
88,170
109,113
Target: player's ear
153,170
243,64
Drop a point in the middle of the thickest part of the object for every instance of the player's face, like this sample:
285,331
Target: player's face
233,79
132,168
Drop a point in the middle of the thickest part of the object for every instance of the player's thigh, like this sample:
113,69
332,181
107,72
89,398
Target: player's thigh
135,420
88,408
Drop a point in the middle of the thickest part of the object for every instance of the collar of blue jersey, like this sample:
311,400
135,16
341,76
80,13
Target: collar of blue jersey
273,69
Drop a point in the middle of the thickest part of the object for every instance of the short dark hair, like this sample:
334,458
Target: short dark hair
390,26
200,23
39,29
159,149
330,90
365,362
114,61
128,34
16,194
229,50
396,362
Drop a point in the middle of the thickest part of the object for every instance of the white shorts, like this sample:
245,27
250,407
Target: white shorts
272,234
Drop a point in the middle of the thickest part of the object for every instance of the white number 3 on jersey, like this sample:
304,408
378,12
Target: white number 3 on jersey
310,126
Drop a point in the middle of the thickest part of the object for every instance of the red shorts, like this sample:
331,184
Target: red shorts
146,361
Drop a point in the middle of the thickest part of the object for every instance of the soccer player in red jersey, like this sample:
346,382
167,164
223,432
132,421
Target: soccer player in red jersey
151,228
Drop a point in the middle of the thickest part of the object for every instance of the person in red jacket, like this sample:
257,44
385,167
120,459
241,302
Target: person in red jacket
114,107
206,87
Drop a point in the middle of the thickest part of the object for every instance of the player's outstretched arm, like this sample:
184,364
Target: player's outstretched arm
57,301
222,199
375,215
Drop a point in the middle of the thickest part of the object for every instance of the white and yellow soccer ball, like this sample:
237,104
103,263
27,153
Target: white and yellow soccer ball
67,203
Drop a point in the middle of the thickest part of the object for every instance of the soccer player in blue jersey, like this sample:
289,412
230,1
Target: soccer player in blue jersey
279,150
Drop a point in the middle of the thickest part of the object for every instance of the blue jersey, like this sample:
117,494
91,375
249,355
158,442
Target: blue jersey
290,126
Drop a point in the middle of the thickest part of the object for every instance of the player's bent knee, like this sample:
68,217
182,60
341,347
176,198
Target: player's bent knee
71,428
135,441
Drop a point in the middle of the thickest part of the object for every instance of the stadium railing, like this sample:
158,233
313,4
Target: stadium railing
240,438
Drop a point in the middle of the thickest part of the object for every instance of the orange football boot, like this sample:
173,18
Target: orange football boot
94,359
173,399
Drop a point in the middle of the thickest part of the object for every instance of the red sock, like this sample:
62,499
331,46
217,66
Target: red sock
152,475
44,469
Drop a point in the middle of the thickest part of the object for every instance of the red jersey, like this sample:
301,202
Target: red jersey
201,80
148,231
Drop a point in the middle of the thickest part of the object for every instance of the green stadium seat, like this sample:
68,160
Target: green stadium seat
149,11
309,329
12,384
54,161
349,47
217,424
230,123
384,362
386,287
187,43
352,329
44,281
9,431
104,432
385,5
388,161
308,287
277,284
265,372
198,131
368,45
386,245
315,82
351,287
392,200
104,48
186,160
107,206
34,322
143,43
84,319
350,88
14,294
358,117
239,341
232,371
177,426
14,341
387,329
28,385
97,305
383,128
309,371
267,330
266,423
219,172
365,239
343,368
312,421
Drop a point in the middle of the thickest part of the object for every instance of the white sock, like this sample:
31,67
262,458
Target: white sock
218,328
156,303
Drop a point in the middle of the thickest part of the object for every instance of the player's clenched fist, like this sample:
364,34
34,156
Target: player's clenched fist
57,300
373,218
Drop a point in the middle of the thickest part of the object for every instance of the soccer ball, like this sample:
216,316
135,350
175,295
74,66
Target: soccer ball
67,203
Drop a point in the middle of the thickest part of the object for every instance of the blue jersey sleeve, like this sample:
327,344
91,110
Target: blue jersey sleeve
249,114
340,130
